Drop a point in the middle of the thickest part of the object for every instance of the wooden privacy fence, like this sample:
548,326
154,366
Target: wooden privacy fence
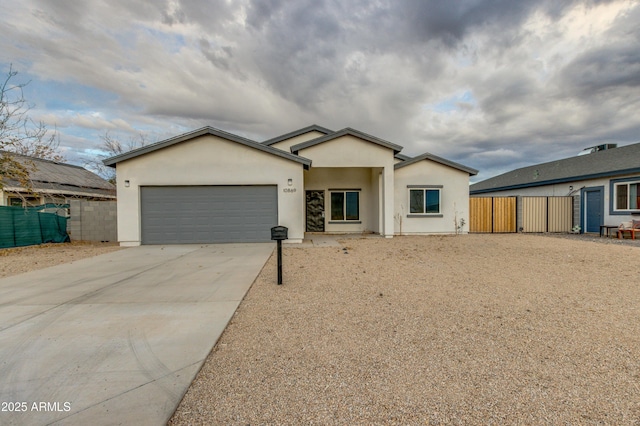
492,214
547,214
526,214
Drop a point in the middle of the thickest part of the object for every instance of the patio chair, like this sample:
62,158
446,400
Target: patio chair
631,227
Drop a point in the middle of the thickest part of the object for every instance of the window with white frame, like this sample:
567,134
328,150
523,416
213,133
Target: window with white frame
627,196
424,201
345,205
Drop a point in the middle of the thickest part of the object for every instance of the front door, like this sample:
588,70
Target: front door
593,209
315,211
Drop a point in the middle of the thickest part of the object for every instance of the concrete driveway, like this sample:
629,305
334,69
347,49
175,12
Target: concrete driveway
118,338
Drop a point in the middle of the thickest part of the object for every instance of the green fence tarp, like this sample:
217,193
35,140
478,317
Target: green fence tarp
25,226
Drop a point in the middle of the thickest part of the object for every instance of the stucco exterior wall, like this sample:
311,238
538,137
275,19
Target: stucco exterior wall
286,144
454,202
326,178
348,151
352,152
375,205
208,160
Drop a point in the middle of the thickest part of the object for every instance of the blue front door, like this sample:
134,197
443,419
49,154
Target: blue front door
593,209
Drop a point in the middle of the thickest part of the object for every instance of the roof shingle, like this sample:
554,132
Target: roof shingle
60,178
610,162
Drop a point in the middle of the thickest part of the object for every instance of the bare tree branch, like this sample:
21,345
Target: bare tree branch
112,147
19,134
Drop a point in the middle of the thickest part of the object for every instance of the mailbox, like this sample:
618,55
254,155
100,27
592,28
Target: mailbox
279,233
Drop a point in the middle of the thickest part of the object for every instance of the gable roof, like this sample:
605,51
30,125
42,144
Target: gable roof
344,132
54,177
112,161
610,162
402,157
428,156
312,128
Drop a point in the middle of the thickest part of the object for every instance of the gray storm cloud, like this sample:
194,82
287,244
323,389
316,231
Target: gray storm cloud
491,84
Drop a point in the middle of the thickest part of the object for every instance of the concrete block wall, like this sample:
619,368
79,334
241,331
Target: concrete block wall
92,221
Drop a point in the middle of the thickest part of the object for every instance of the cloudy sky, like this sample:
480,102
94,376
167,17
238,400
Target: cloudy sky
492,84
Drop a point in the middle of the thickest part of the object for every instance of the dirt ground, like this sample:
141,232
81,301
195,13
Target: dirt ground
470,329
18,260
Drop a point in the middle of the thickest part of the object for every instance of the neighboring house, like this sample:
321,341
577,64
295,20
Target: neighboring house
53,182
605,185
211,186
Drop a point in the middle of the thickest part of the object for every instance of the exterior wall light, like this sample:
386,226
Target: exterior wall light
126,183
290,182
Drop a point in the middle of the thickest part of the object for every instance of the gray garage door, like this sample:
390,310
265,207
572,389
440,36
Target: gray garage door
208,214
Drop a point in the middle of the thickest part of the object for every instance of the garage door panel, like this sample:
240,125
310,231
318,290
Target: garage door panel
208,214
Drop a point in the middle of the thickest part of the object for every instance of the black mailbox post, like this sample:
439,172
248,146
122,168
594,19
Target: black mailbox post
279,233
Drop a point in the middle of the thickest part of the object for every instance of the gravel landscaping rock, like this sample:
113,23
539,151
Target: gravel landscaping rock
18,260
469,329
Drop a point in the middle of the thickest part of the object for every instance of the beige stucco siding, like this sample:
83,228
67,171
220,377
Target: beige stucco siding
376,165
348,151
363,179
454,202
286,144
208,160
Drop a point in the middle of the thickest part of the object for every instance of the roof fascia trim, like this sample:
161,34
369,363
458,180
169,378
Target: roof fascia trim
443,161
313,127
112,161
347,132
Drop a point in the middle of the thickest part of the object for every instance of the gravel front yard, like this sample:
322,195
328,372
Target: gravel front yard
18,260
474,329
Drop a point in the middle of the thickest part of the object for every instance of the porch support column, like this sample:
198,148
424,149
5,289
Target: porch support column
388,202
